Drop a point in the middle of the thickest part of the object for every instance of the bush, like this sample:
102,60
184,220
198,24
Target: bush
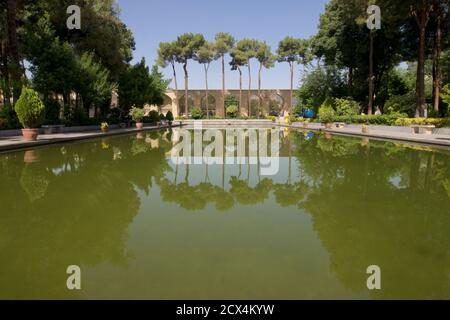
169,116
438,122
3,124
385,119
403,104
232,111
162,116
153,117
30,109
197,113
52,110
346,107
137,114
326,112
231,100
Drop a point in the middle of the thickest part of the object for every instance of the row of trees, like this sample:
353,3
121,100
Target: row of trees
195,47
76,68
414,31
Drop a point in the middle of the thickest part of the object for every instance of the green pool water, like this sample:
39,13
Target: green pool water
143,226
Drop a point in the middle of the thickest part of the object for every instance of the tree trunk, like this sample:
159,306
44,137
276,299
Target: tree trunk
240,88
291,102
206,95
186,89
420,83
13,48
437,50
176,86
422,18
259,90
223,86
371,77
249,107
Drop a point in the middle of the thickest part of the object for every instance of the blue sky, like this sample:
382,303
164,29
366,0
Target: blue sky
154,21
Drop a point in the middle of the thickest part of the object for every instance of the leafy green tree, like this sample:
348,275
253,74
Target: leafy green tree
238,60
205,55
224,43
290,50
188,45
138,87
167,55
266,60
248,49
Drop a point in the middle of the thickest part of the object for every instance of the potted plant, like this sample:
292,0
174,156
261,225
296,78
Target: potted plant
326,117
104,127
31,112
137,114
365,128
169,117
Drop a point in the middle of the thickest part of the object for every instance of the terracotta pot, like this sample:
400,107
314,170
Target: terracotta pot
30,134
365,130
105,130
139,125
328,125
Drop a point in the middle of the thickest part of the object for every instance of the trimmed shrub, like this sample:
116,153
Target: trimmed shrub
197,113
326,112
438,122
30,109
169,116
232,111
346,107
153,117
162,116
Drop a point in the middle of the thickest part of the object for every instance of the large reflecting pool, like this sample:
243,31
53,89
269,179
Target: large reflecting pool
142,224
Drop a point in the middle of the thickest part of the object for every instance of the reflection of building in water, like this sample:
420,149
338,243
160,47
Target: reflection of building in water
230,146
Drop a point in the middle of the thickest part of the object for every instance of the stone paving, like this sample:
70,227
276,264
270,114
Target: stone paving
381,132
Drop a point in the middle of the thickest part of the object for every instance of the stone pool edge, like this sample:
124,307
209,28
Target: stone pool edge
47,140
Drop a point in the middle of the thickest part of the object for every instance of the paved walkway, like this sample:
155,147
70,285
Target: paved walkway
17,142
381,132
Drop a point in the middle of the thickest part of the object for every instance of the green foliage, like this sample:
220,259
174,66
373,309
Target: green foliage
224,42
231,100
326,115
405,104
137,114
153,117
138,87
346,107
232,111
162,116
196,113
438,122
30,109
169,116
445,96
52,111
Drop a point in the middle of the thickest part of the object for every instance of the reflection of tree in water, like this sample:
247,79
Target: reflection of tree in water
382,205
72,207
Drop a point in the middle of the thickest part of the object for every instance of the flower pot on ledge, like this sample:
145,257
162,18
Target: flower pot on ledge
30,134
328,125
139,125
